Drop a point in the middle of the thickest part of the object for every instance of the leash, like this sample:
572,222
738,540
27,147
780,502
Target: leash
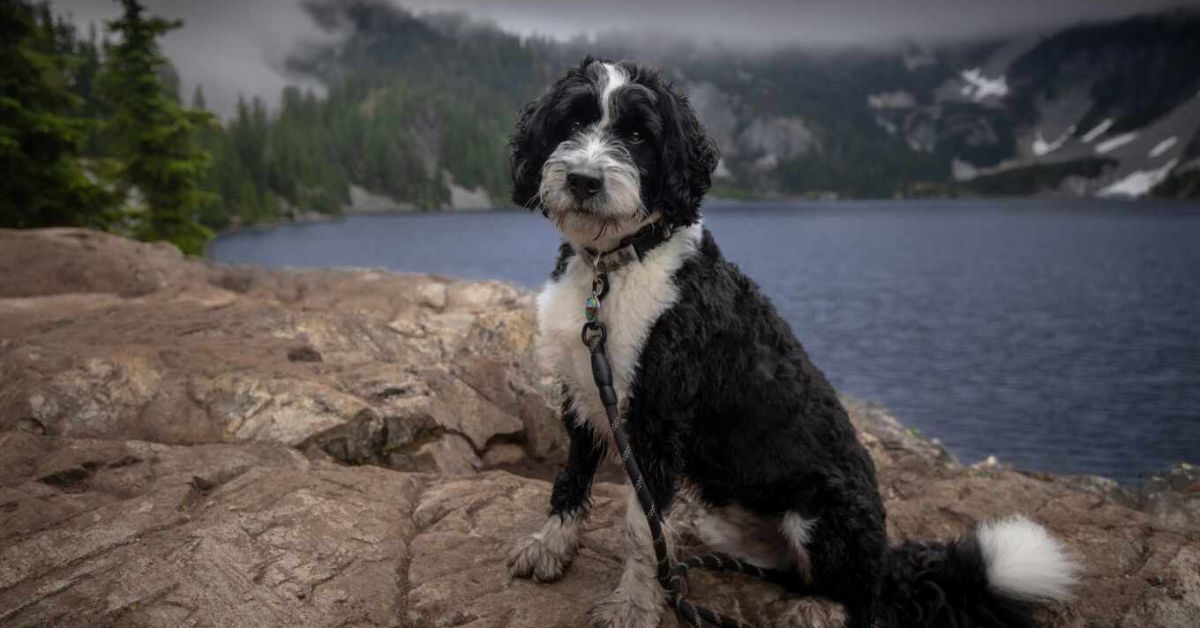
670,576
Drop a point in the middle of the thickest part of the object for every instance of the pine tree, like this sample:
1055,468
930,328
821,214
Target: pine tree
43,183
198,101
153,136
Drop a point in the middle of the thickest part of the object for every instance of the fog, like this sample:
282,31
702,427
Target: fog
804,22
238,46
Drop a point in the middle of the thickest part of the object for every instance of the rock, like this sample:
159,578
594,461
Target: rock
99,532
304,354
71,261
1180,580
101,337
139,534
504,454
1173,496
545,438
890,441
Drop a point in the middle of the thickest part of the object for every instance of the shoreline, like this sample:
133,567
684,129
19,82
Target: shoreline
717,203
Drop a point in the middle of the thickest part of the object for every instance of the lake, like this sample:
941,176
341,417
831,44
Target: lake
1061,336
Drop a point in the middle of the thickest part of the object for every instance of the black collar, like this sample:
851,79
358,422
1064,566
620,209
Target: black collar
630,249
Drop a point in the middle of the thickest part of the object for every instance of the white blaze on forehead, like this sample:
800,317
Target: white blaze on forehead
614,77
593,148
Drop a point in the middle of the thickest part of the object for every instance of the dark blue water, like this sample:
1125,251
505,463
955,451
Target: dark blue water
1058,336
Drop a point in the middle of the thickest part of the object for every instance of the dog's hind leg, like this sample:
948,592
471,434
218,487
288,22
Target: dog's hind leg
803,611
847,549
544,555
772,542
745,535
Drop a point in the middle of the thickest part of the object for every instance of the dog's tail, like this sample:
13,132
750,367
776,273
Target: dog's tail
995,577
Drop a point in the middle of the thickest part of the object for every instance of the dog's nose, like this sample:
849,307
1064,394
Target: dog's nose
583,186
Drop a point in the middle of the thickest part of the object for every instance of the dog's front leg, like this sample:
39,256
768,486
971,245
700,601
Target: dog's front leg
638,600
545,554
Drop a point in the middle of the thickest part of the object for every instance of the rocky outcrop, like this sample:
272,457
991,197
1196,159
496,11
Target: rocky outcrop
174,453
107,338
106,532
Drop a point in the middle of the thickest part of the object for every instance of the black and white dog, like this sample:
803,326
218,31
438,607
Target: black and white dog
719,398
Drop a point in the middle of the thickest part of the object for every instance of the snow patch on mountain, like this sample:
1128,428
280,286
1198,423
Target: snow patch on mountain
1097,131
899,99
775,140
963,170
1163,147
1114,143
1140,182
979,87
1042,147
886,125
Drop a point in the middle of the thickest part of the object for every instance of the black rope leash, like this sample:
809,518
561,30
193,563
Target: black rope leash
670,576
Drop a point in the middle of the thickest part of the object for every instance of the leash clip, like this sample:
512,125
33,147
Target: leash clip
593,335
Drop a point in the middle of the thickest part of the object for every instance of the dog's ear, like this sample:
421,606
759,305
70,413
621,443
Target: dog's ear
689,157
530,143
528,152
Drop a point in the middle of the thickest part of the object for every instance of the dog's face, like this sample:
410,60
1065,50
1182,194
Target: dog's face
608,147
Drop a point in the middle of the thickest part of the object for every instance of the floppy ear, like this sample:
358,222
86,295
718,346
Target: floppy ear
689,157
530,143
525,162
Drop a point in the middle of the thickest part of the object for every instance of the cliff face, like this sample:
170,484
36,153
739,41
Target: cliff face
188,444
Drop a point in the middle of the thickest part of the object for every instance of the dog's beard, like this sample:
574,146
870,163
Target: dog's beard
616,211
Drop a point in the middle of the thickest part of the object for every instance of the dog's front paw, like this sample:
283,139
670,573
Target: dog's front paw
535,556
622,610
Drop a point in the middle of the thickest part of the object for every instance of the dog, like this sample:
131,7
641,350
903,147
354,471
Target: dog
719,398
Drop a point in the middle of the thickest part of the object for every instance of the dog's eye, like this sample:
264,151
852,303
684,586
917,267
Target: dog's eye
635,137
576,126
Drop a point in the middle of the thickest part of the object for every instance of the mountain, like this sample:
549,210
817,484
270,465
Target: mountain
418,109
1107,109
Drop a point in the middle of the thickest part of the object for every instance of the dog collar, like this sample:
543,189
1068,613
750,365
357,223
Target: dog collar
630,249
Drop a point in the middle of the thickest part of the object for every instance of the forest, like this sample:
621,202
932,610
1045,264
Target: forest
97,134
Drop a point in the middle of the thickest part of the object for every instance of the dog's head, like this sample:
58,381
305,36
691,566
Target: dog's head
607,148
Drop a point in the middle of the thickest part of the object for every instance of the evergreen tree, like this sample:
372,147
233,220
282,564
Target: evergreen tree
198,102
152,135
43,183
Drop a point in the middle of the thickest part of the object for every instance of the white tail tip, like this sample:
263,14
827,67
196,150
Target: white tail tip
1024,562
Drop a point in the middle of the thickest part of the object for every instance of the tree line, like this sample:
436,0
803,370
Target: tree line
94,133
91,133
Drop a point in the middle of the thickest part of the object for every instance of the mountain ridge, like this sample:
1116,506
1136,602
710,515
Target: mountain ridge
418,110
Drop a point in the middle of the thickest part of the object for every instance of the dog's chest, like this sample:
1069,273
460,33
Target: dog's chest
638,295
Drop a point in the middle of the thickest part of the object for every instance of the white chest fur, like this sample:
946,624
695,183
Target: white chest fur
638,294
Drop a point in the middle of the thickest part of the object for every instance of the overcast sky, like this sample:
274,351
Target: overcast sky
233,46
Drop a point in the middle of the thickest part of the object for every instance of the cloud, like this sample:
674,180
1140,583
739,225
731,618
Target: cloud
796,22
231,47
239,46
